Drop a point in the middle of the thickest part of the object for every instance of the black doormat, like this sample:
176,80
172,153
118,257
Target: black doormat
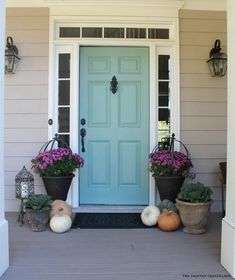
107,220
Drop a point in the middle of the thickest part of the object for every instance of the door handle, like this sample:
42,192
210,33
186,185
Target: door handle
83,134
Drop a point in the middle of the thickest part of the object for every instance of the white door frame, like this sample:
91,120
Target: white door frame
72,45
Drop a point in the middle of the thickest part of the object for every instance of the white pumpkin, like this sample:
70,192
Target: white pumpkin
149,215
57,205
61,222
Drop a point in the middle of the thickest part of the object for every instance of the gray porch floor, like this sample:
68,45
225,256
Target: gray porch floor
111,254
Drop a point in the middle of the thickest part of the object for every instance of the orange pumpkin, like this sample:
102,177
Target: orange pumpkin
57,205
169,221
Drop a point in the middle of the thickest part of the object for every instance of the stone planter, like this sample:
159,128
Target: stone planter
194,216
38,219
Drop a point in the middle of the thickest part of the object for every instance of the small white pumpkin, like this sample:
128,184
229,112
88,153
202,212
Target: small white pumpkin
57,204
61,222
149,215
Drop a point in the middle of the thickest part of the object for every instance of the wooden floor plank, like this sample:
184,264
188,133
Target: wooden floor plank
126,254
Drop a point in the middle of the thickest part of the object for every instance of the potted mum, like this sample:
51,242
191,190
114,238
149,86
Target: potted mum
56,167
169,169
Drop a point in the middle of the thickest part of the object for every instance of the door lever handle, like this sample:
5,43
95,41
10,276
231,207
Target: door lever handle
83,134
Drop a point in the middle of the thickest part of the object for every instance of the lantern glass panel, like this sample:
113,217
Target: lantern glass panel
218,64
11,62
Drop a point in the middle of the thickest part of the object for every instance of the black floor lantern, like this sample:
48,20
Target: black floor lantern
24,187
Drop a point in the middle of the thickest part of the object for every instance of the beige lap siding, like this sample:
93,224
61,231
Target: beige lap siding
203,98
26,95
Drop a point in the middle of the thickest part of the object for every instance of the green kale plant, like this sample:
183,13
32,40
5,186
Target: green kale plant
195,193
39,202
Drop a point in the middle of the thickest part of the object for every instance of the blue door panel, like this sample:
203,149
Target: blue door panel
117,125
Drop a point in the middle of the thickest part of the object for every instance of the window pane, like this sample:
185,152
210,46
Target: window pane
164,88
158,33
163,101
64,65
114,32
136,33
91,32
164,66
73,32
164,115
64,92
66,138
163,133
63,119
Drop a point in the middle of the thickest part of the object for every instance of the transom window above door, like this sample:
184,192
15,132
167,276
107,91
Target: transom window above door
114,32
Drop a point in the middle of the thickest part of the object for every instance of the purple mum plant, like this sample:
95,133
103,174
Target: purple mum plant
56,162
167,163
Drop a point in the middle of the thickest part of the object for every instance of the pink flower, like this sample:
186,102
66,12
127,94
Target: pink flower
56,162
167,163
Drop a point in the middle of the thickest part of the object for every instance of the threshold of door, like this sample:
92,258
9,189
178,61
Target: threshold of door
108,209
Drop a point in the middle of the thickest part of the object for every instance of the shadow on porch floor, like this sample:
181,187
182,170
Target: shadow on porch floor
114,254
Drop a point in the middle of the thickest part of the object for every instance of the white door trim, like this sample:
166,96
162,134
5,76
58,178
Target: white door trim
72,46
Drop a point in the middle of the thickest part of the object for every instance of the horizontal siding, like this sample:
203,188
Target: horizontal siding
26,96
27,78
20,149
202,25
200,15
27,12
203,123
28,36
27,23
35,106
33,50
194,53
25,135
25,92
34,64
202,81
203,109
198,137
23,121
204,94
203,98
201,38
212,151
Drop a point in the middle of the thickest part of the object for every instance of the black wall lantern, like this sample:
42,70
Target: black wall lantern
218,61
11,57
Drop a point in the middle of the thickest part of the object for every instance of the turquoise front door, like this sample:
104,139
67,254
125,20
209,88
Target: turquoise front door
116,125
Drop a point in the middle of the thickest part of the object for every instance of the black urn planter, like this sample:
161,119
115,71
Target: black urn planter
169,187
57,187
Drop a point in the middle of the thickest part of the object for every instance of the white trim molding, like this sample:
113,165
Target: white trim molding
207,5
4,252
4,247
228,224
210,5
228,246
50,3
